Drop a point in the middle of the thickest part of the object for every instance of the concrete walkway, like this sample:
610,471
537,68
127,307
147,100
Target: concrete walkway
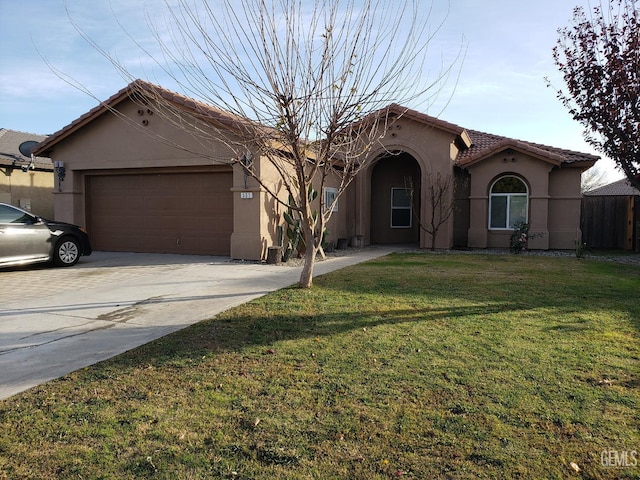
56,320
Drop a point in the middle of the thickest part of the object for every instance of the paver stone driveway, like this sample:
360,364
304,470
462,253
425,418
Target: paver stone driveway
56,320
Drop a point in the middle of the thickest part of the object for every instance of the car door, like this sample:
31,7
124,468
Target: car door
23,237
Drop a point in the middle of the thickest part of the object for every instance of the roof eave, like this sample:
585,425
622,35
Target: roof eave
462,137
139,89
44,148
548,157
584,164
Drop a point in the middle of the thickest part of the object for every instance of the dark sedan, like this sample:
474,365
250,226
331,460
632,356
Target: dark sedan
26,238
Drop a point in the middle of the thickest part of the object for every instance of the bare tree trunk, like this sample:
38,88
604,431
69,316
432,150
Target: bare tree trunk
442,217
437,201
306,276
305,88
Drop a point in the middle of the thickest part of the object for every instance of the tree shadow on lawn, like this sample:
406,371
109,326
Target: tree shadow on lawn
220,335
262,324
563,284
234,334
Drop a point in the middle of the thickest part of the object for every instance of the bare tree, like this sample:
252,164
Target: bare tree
600,60
298,77
593,178
438,201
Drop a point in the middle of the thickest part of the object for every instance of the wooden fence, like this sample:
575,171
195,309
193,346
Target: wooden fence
611,222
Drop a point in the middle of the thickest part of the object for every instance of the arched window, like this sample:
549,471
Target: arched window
508,203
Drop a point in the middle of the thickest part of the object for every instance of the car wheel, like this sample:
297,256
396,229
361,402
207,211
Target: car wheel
67,252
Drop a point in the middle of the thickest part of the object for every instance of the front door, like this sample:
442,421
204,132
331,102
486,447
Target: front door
395,206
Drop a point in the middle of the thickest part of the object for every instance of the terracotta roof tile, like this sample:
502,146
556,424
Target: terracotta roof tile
474,145
396,109
142,88
485,144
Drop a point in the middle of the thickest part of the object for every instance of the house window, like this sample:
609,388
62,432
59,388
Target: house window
330,195
400,208
508,203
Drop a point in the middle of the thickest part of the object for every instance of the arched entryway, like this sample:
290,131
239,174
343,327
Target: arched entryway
393,208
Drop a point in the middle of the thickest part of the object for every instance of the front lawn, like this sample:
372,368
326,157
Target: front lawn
422,366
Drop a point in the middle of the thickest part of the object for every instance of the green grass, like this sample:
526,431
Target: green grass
416,365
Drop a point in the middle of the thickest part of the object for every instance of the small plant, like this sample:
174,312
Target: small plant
293,228
327,245
520,237
581,249
294,234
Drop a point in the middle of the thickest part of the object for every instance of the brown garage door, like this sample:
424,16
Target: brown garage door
189,213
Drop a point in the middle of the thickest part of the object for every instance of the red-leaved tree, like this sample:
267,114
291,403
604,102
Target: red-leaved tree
599,57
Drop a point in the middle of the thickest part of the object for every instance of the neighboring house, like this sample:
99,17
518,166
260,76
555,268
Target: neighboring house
25,181
611,216
136,191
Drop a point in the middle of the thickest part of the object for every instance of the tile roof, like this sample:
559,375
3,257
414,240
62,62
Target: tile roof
485,144
396,111
204,111
474,146
619,188
10,141
139,88
399,110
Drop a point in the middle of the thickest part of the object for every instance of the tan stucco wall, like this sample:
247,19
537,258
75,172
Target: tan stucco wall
110,143
565,207
433,150
554,201
338,226
534,172
257,219
461,213
31,190
257,214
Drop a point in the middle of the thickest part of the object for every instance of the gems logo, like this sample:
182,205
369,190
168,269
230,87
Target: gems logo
619,458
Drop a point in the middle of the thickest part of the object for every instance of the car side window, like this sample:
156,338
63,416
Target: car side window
12,215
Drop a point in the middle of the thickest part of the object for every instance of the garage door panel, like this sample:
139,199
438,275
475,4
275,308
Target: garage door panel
161,213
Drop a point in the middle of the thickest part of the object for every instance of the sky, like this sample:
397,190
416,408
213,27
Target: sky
501,88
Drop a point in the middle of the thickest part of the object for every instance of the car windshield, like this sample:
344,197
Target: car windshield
13,215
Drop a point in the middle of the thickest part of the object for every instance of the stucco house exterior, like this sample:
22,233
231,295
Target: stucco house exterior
25,181
134,190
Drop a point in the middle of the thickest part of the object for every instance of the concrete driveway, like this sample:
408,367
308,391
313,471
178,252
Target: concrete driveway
56,320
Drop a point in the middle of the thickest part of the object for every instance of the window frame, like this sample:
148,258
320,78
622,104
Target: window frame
509,196
394,208
329,195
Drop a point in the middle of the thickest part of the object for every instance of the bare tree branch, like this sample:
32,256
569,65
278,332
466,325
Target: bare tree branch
290,81
438,201
593,178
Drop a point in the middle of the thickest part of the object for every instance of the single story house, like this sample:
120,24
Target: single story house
611,216
134,190
26,181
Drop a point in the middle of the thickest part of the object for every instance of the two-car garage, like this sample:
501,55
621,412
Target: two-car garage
142,179
161,211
